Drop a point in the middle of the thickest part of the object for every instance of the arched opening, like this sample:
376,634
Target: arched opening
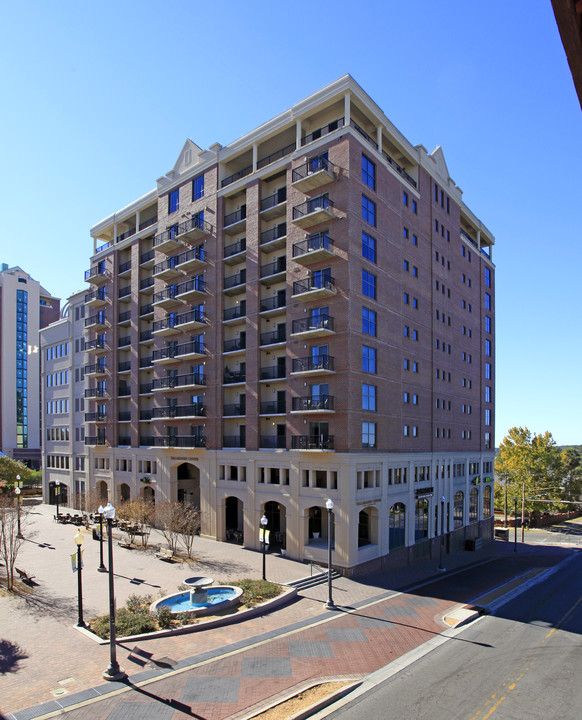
233,520
421,520
124,492
63,494
368,527
103,492
397,526
188,476
149,494
318,526
487,501
276,524
315,515
458,509
473,505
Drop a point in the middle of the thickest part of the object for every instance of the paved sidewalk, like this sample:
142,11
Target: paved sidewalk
223,672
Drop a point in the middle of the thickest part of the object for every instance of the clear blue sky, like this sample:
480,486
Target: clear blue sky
99,98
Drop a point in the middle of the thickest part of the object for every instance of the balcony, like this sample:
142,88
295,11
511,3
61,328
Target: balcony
168,240
236,176
96,417
277,155
322,131
96,297
234,222
192,290
146,310
314,288
166,298
314,211
316,326
272,407
273,306
174,441
312,442
174,353
234,252
179,382
273,272
276,337
146,259
97,275
145,415
95,346
124,416
123,367
315,248
145,388
124,269
124,341
98,392
179,411
235,284
145,362
95,370
124,292
234,345
165,326
95,322
193,229
123,391
124,441
235,315
233,377
313,404
166,270
274,238
190,320
233,441
94,440
233,409
146,336
273,442
273,372
315,173
194,259
313,365
274,205
146,285
124,318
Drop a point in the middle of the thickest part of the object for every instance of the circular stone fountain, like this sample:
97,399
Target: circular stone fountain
200,599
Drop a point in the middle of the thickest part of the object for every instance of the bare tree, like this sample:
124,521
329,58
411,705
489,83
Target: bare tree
10,542
189,527
169,522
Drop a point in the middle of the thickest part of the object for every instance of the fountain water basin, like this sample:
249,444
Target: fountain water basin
200,599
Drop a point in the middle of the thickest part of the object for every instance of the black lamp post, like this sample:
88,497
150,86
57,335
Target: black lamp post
113,672
57,493
329,605
78,542
515,527
441,567
101,567
264,523
19,534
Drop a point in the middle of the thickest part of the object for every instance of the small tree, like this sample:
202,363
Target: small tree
169,521
190,527
144,513
9,469
10,543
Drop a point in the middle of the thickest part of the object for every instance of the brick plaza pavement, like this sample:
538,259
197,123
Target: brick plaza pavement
214,673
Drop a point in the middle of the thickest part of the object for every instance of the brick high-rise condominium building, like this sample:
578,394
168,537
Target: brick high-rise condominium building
305,314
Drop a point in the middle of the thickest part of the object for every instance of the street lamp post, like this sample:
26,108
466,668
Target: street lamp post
101,567
515,527
264,522
441,567
57,493
19,534
78,542
113,672
329,605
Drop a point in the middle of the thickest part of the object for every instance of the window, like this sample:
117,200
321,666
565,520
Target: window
487,277
405,233
406,364
368,172
369,210
415,335
198,188
436,193
368,397
414,206
414,271
368,359
405,431
406,331
406,266
487,324
488,348
487,417
404,198
415,303
415,367
406,298
406,398
487,301
414,240
368,284
368,247
368,435
368,321
174,201
415,399
487,393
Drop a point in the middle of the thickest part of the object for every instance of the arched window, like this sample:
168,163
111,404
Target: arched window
487,501
458,510
363,528
474,505
397,526
421,520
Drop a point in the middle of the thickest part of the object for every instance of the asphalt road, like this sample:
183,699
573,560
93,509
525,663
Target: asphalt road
524,663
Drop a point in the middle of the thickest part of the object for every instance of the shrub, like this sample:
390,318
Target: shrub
164,617
257,591
129,623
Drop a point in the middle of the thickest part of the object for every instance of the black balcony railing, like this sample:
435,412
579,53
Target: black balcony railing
196,222
233,441
124,267
273,372
148,223
98,392
273,442
273,303
318,322
168,293
321,202
124,441
313,165
178,381
313,402
146,309
274,233
147,256
178,411
277,155
196,315
236,216
124,366
272,268
168,264
145,388
147,282
319,241
124,316
312,442
238,311
98,294
235,248
98,319
95,417
145,414
164,323
124,341
234,409
325,130
238,278
314,362
94,440
235,344
272,407
234,376
271,338
95,368
236,176
124,391
124,291
96,271
196,284
145,361
96,344
124,415
275,199
185,441
175,351
317,282
145,335
196,253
